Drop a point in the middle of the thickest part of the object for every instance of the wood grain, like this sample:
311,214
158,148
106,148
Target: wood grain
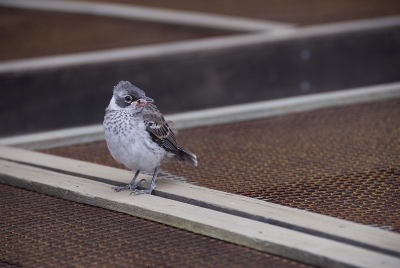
254,234
291,218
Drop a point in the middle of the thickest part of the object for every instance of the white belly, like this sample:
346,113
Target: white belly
130,144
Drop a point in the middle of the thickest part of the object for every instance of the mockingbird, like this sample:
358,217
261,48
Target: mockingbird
138,136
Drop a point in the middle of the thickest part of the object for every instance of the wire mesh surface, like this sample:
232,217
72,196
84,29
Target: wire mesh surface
342,162
38,230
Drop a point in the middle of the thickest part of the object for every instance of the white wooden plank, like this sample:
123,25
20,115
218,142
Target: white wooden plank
262,109
161,15
192,46
386,241
254,234
56,138
129,53
220,115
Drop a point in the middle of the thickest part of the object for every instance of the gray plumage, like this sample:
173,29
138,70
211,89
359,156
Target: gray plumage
138,136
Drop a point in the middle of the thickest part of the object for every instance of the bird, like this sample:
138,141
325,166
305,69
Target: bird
138,136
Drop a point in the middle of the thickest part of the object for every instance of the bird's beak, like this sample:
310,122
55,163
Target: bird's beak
148,100
143,101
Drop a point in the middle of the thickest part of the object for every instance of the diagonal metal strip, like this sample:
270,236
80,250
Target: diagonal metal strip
162,15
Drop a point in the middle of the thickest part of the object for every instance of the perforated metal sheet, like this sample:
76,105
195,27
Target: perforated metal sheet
342,162
43,231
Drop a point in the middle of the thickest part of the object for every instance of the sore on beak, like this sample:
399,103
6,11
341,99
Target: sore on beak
143,101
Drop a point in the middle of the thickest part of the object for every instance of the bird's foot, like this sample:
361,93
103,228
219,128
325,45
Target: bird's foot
129,186
139,192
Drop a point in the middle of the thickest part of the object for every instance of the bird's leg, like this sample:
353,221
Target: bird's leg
151,187
131,185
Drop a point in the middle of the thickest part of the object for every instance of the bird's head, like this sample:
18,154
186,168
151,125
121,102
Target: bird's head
127,96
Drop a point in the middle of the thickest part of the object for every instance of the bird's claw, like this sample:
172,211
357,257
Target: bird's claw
120,188
129,186
139,192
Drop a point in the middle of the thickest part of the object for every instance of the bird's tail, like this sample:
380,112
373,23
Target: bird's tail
188,157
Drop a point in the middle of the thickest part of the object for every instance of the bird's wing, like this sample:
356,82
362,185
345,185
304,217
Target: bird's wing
160,131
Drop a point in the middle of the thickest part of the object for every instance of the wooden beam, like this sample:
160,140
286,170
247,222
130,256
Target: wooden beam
290,218
265,237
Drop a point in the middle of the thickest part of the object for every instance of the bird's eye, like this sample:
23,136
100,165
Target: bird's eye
128,98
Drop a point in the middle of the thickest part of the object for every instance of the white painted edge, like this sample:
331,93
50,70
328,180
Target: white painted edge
227,114
125,54
192,46
250,233
56,138
163,15
322,224
284,106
